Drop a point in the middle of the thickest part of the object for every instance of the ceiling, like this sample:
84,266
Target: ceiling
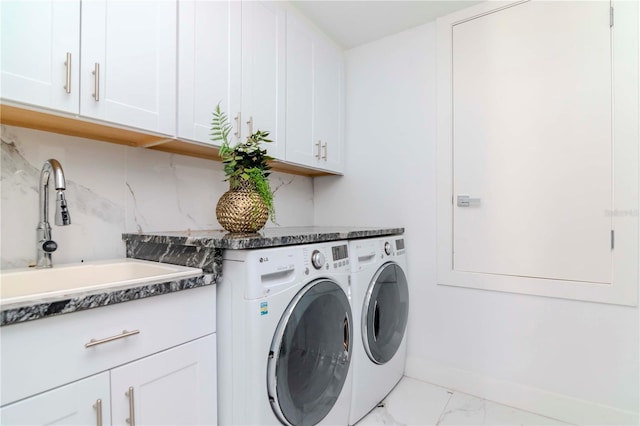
352,23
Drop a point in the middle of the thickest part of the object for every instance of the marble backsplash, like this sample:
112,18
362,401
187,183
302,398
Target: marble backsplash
113,189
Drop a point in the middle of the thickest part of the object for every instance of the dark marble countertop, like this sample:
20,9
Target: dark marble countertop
200,249
269,237
47,307
46,304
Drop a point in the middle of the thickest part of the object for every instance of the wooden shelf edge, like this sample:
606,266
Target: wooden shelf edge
294,169
73,126
190,149
76,126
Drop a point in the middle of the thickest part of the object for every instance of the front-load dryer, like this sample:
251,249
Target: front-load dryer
380,302
285,336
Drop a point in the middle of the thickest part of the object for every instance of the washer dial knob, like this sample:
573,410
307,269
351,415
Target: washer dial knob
387,248
317,259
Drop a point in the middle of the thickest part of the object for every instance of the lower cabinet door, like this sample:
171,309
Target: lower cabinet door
81,403
173,387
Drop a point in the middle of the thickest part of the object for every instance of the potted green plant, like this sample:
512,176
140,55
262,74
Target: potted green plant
249,202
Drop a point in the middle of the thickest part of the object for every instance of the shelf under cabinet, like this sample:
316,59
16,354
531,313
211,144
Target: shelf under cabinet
79,127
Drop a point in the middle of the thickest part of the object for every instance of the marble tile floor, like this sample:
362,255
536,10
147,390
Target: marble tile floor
413,402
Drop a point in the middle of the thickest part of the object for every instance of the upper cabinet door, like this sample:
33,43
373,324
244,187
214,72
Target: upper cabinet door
301,146
328,102
40,53
209,71
128,72
315,78
263,72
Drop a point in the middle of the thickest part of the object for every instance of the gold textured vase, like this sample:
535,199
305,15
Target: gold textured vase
242,209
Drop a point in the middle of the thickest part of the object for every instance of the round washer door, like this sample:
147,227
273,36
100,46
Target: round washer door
310,354
384,313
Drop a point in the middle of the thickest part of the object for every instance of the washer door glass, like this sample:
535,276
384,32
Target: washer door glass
385,311
310,354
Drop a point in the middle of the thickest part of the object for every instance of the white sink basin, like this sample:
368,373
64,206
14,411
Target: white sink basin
19,285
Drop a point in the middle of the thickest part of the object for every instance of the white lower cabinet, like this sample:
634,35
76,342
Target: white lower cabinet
81,403
174,387
149,362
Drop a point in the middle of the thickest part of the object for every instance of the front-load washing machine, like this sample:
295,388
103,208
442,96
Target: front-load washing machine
285,336
380,301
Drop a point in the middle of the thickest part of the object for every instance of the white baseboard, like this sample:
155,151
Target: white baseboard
539,401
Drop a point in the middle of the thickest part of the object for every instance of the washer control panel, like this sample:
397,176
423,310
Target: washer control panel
393,248
317,259
326,257
387,248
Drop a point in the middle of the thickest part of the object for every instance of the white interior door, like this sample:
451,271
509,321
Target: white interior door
532,142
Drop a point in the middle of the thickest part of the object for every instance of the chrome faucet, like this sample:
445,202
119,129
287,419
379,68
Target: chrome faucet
45,245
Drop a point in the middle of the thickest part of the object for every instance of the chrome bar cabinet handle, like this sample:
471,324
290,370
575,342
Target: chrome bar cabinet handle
238,119
98,407
67,64
96,82
250,125
132,414
318,147
324,148
125,333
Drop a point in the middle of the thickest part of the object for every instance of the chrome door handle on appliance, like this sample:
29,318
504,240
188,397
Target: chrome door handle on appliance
345,330
96,81
466,201
67,64
376,321
318,146
125,333
132,413
238,120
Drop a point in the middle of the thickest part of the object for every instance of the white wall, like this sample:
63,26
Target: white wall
573,360
113,189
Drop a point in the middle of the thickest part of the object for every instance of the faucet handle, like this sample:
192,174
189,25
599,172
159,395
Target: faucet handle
49,246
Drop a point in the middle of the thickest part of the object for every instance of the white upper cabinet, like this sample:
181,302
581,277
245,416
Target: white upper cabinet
263,72
209,70
162,66
315,79
40,53
128,71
